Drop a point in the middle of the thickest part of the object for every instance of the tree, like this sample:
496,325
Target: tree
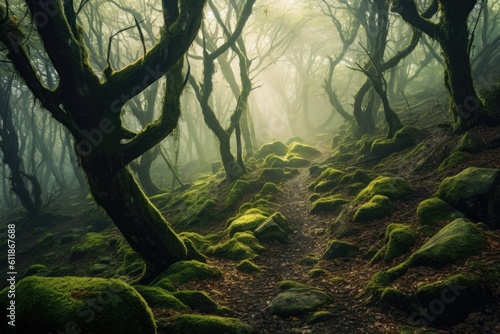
89,103
452,34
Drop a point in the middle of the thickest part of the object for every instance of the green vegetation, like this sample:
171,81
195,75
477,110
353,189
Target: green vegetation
455,159
403,139
329,176
303,150
339,249
433,211
196,323
248,222
399,239
91,244
243,245
392,187
332,204
248,267
156,297
187,271
378,207
201,301
470,143
88,305
276,147
298,302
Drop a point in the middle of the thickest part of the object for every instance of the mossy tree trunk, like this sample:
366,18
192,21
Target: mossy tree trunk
91,110
451,32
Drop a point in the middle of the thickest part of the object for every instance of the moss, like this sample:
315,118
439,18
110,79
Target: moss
391,297
201,301
433,211
329,174
358,176
455,159
309,261
132,264
403,139
274,229
47,240
314,197
268,191
339,249
156,297
200,242
161,200
476,192
378,207
399,240
91,244
455,298
298,302
298,162
288,284
68,238
272,174
35,269
470,143
196,323
237,192
319,316
248,267
303,150
392,187
316,272
297,139
276,147
187,271
248,222
243,245
274,161
454,243
331,204
78,304
353,189
165,284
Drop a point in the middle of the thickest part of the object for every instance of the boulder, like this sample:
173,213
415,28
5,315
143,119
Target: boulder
378,207
433,211
197,323
298,302
339,249
392,187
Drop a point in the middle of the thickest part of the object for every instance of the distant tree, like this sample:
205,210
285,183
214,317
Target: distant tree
89,103
452,33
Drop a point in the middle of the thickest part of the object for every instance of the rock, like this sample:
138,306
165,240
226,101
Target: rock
453,160
276,147
298,162
433,211
98,268
91,244
78,305
303,150
201,301
309,261
392,187
156,297
197,323
270,231
399,239
298,302
456,242
35,270
316,272
288,284
403,139
243,245
475,192
340,249
187,271
297,139
46,241
378,207
331,204
272,174
330,174
319,317
248,267
470,143
247,222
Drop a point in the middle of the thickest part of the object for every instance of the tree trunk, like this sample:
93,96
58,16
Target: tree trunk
143,170
142,225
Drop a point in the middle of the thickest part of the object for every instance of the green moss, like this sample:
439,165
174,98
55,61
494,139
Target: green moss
403,139
470,143
309,261
456,242
353,189
196,323
243,245
303,150
161,200
392,187
330,174
433,211
339,249
248,222
359,176
391,297
455,159
274,229
132,264
297,139
91,244
276,147
378,207
200,242
274,161
165,284
272,175
248,267
298,162
187,271
201,301
237,192
78,304
298,302
319,316
47,240
316,272
268,191
156,297
331,204
288,284
35,269
399,240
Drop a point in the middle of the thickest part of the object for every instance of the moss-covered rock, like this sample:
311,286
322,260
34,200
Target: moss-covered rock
378,207
274,228
298,162
303,150
246,223
454,243
274,161
48,240
433,211
276,147
453,160
268,191
156,297
475,192
403,139
317,272
200,242
392,187
355,177
200,301
289,284
187,271
309,261
243,245
399,239
340,249
91,244
36,269
298,302
77,305
331,175
319,316
331,204
448,302
272,175
238,191
248,267
470,143
196,323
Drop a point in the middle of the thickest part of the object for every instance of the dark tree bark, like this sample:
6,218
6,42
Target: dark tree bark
452,33
91,108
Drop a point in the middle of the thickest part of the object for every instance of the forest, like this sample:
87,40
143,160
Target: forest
250,166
